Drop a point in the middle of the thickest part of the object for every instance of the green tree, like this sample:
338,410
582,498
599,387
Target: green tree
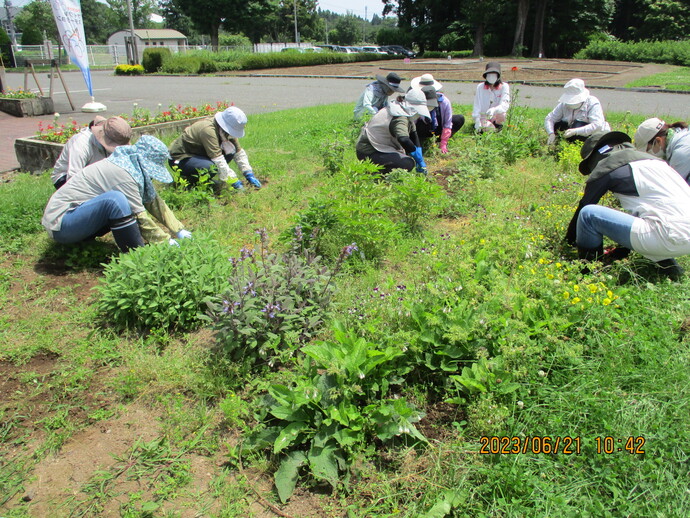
177,20
99,21
5,46
32,36
37,15
348,30
141,10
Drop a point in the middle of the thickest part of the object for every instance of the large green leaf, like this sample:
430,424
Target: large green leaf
285,477
324,464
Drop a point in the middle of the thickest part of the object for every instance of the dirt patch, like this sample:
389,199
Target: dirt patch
539,71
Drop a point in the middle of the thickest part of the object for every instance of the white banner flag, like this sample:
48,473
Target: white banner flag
70,26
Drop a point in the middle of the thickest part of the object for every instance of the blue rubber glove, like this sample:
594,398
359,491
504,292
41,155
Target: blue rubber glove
238,185
253,180
419,160
184,234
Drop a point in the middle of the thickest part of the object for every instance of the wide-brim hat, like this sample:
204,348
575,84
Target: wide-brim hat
112,133
415,102
647,131
599,142
425,80
575,92
392,81
232,121
492,66
431,98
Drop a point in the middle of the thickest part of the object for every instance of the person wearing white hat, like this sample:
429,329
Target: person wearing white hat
90,145
656,201
491,100
442,123
670,142
578,114
209,144
114,195
375,95
390,138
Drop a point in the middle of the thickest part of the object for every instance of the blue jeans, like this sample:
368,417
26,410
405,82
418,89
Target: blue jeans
91,218
190,167
595,222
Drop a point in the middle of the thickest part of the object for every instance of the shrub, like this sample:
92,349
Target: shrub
163,286
272,301
154,58
671,52
182,64
129,70
456,54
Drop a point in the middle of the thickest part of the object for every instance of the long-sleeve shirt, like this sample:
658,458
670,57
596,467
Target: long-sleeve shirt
590,112
490,97
81,150
388,133
373,98
442,115
678,153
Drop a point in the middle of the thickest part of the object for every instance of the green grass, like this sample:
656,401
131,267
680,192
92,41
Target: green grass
677,79
596,355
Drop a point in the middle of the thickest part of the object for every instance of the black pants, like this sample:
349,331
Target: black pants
424,127
389,161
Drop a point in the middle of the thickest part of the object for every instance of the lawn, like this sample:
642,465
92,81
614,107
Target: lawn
337,345
677,79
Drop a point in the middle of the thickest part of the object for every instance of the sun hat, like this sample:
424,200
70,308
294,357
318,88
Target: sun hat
415,101
112,133
575,92
431,99
392,81
599,141
232,120
425,80
492,66
144,161
647,131
97,121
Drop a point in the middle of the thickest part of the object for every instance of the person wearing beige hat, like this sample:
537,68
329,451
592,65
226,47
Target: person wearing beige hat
209,145
442,123
390,138
90,145
491,100
375,95
670,142
577,115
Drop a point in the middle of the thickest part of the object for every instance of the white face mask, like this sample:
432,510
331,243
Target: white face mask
574,106
658,150
491,78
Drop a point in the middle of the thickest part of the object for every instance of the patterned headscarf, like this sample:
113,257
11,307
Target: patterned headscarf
144,161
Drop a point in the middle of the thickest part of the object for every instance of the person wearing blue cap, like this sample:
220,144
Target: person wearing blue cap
114,195
375,96
209,145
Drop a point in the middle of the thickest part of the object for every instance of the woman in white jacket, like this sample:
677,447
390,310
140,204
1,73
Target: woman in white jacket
491,100
577,114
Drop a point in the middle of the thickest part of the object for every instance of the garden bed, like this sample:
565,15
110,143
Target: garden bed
36,155
29,107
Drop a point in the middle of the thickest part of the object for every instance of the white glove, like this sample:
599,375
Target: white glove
224,171
172,242
551,140
228,147
490,112
477,125
569,133
184,234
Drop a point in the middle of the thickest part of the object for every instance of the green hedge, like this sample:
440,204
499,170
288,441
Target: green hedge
155,58
671,52
207,62
445,54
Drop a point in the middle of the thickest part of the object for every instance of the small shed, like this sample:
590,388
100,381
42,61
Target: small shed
146,38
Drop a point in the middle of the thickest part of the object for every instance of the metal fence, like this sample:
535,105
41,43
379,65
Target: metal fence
113,55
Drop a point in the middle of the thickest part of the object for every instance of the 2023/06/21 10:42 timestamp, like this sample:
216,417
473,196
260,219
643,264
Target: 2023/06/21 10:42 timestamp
565,445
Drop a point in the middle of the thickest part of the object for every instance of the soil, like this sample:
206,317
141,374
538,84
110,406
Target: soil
527,71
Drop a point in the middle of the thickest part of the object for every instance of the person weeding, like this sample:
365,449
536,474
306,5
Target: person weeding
113,195
209,145
670,142
390,138
375,95
442,123
491,100
91,144
656,200
577,115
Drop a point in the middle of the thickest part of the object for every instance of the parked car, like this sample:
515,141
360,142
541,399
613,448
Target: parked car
372,49
301,50
332,48
398,50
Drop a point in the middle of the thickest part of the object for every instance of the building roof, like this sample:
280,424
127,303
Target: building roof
159,34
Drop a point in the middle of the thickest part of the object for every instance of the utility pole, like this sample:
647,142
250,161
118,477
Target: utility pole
364,28
294,3
10,22
135,52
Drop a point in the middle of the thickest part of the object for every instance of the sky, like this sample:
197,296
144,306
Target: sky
356,7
